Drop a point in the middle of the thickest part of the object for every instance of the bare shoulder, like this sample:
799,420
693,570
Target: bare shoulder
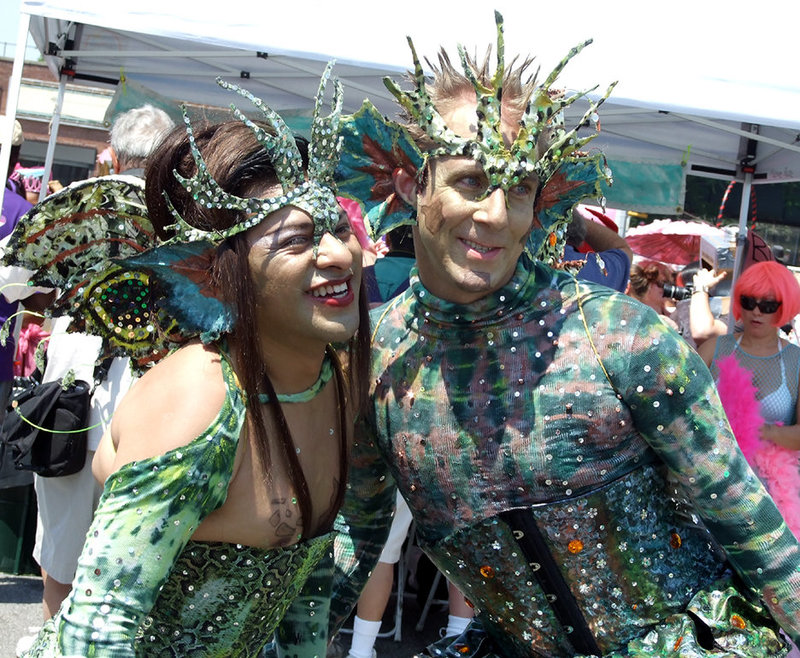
170,405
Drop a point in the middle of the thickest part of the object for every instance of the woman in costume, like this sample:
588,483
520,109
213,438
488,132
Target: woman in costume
561,449
227,462
765,297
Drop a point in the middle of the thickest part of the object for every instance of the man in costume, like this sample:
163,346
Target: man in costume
563,452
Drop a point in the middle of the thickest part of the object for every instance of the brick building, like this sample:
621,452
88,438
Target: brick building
83,132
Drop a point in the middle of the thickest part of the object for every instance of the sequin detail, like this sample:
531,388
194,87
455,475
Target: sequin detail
610,471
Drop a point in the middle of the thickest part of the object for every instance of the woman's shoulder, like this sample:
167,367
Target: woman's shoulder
791,350
170,405
195,367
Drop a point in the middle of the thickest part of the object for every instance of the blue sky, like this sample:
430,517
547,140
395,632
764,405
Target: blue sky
9,23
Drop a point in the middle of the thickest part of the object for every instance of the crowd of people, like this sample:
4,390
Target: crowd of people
561,448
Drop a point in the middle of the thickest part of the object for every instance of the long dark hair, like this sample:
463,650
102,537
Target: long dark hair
241,166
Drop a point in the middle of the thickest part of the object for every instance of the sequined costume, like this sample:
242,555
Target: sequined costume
570,470
145,588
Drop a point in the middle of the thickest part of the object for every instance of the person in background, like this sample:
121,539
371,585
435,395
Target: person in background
765,297
646,285
375,596
758,380
605,254
29,179
704,314
134,136
66,504
13,280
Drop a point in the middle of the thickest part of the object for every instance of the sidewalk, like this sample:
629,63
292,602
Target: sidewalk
21,608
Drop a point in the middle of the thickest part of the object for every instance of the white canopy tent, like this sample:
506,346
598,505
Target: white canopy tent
696,80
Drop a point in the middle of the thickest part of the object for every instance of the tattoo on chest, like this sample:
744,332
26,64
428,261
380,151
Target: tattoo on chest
285,519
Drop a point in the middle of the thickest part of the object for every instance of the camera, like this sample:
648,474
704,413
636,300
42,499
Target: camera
677,292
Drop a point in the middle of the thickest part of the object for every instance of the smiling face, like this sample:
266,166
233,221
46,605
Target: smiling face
304,300
468,247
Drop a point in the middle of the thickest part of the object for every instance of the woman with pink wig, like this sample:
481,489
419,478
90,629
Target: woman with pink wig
758,375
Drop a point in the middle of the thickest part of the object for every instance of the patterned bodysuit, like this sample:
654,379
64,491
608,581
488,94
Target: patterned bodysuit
144,588
570,469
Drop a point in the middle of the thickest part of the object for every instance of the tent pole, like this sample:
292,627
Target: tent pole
55,122
13,95
741,238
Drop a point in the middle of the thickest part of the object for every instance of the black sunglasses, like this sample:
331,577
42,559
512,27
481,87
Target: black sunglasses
766,306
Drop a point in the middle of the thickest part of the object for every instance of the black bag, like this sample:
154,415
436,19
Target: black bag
45,428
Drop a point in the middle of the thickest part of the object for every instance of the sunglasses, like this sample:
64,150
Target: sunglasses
766,306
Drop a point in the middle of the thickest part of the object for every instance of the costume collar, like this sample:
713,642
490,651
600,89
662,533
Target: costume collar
325,374
486,311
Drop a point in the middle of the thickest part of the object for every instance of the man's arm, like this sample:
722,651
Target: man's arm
602,238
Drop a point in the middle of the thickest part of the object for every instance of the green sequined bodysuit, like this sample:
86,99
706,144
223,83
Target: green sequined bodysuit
144,588
570,469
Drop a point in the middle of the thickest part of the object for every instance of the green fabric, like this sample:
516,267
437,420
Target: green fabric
646,186
504,404
144,588
391,272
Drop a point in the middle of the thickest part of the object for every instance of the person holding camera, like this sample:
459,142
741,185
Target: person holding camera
703,307
647,285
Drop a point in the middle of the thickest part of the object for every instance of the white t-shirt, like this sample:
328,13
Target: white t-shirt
79,352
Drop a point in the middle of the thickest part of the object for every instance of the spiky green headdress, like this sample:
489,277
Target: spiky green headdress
313,193
144,297
543,147
505,166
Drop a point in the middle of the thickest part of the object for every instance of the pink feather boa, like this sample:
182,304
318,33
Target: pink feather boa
777,466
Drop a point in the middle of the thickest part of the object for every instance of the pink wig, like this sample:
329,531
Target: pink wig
769,279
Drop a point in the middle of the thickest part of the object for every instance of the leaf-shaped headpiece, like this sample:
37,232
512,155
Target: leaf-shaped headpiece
314,193
505,166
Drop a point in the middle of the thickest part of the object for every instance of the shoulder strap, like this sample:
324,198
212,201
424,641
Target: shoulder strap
388,308
591,340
